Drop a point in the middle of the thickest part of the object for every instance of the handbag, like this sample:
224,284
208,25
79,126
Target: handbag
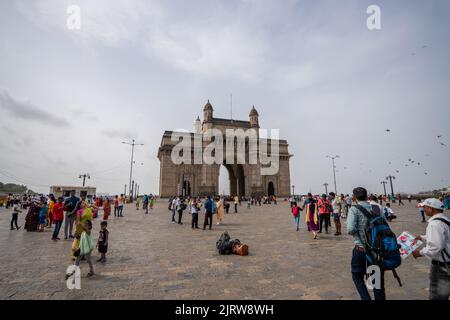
240,249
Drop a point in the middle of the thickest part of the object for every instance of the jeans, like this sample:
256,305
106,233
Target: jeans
297,221
14,220
58,225
235,208
89,261
439,283
359,269
116,210
180,215
120,211
194,220
324,218
173,215
68,225
208,216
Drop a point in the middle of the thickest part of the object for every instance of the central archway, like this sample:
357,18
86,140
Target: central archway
236,177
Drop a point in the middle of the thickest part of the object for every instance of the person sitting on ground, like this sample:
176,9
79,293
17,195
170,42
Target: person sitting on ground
389,213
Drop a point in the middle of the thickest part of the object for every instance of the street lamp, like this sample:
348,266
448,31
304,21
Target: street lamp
384,186
334,171
84,176
293,188
132,144
390,178
326,188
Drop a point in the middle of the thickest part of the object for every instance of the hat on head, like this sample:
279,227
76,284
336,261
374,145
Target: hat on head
433,203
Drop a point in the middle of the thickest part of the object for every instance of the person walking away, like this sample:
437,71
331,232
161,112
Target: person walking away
15,214
174,208
437,249
312,215
145,203
103,240
220,210
336,205
208,213
70,207
400,203
324,212
236,202
58,218
181,206
356,226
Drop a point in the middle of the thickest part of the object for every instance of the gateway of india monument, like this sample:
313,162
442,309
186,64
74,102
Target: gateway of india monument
191,179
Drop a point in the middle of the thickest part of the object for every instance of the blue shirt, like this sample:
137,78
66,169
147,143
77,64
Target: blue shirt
208,206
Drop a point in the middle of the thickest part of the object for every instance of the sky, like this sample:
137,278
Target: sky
312,69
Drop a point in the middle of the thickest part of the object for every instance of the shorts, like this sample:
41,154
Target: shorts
336,217
102,248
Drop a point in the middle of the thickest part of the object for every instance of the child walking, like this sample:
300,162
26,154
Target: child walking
103,239
42,217
15,214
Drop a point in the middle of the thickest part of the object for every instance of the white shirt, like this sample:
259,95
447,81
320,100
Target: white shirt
437,239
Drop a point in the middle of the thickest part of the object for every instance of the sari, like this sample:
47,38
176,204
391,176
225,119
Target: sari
312,219
32,218
83,215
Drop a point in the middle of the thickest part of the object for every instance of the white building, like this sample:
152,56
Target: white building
64,191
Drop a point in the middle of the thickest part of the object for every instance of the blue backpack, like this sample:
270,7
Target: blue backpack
383,249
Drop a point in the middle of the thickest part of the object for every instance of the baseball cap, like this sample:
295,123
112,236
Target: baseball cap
432,203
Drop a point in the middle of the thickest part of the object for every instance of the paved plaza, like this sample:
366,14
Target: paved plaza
151,258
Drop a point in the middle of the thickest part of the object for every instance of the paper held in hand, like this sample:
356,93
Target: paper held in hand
407,244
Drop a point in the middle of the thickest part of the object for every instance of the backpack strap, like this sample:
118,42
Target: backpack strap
364,211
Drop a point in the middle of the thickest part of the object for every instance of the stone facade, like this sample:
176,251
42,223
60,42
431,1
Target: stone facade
203,179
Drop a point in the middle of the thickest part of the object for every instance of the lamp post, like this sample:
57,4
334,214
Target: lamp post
132,144
334,171
84,176
390,178
326,188
384,186
293,190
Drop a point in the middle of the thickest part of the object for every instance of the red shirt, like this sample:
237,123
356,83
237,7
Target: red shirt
324,206
58,211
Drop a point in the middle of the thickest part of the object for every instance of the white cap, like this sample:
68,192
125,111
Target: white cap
433,203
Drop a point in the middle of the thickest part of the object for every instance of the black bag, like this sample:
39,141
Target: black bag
223,245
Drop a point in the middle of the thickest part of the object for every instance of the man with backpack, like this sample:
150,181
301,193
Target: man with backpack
375,244
209,207
437,249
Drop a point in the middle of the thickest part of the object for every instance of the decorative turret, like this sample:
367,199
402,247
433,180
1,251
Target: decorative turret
208,112
197,126
254,123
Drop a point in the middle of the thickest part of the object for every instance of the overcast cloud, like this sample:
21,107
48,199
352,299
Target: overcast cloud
311,68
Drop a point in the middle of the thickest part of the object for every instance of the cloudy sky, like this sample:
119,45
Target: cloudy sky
312,69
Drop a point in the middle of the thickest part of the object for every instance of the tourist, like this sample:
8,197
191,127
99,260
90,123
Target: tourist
58,218
220,210
344,210
145,203
296,213
173,207
181,206
400,203
437,249
70,206
336,205
249,203
194,209
103,240
121,201
51,203
409,198
236,202
208,213
421,210
324,212
312,212
85,247
42,216
116,206
152,202
389,213
15,214
138,203
32,217
106,209
226,205
356,226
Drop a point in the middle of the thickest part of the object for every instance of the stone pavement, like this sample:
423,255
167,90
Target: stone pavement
151,258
